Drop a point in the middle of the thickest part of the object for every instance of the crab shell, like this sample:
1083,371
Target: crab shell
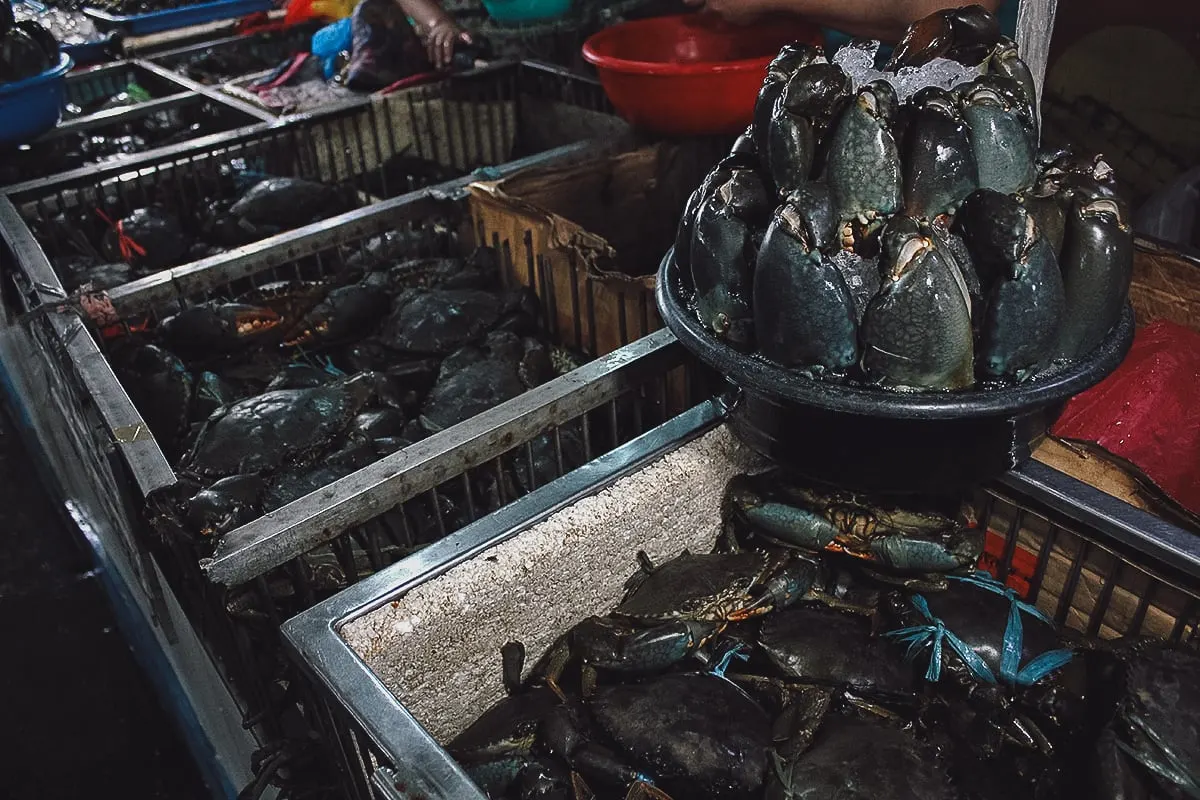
709,587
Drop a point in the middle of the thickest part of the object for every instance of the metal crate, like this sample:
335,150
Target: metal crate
273,567
381,149
131,135
90,88
399,677
215,62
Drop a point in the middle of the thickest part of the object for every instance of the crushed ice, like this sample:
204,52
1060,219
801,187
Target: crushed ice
858,60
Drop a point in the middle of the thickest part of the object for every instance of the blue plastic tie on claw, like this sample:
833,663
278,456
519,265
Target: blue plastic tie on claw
934,634
737,651
1014,635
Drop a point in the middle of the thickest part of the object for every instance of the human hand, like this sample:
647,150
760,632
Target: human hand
739,12
440,40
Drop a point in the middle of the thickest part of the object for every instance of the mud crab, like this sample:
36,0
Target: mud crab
895,544
815,644
804,112
673,609
1014,690
26,48
475,379
804,313
440,321
862,757
265,432
217,327
725,754
863,169
967,35
1024,285
917,332
722,253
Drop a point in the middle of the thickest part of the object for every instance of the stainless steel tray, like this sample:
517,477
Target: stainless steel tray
1092,562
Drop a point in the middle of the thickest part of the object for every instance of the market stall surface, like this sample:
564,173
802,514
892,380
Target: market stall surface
81,718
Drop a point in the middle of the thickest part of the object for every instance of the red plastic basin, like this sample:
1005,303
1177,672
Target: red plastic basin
690,74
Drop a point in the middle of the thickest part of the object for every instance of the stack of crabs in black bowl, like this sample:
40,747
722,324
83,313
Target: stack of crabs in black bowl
916,241
886,263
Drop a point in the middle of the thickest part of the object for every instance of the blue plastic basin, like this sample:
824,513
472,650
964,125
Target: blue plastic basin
33,106
526,10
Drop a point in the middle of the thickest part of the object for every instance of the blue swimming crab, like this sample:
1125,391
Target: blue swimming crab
895,544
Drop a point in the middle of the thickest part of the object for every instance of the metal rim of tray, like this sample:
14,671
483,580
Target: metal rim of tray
772,380
314,639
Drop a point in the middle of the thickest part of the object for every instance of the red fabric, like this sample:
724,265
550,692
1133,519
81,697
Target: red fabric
1148,410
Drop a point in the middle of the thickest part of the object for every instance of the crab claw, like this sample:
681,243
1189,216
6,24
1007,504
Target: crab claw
252,320
966,35
211,327
784,588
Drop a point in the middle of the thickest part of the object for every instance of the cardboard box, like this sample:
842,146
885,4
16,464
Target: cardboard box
590,237
1166,285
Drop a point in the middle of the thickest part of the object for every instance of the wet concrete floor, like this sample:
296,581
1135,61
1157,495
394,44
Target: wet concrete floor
80,717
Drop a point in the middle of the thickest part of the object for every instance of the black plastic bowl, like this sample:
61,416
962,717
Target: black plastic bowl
875,440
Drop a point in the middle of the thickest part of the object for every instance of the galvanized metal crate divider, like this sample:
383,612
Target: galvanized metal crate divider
387,750
254,551
466,121
105,81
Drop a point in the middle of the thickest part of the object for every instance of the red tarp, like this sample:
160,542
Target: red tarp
1148,411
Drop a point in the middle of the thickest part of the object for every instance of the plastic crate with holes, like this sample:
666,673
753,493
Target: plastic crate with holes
406,661
241,567
112,225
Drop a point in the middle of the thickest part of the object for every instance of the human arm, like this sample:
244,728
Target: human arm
437,29
885,20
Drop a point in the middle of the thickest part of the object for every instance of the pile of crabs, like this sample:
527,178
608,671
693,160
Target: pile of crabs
917,245
832,647
261,398
115,138
106,245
